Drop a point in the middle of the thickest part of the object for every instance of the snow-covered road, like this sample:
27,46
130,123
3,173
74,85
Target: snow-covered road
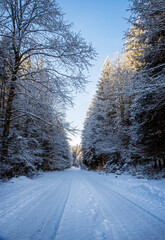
82,205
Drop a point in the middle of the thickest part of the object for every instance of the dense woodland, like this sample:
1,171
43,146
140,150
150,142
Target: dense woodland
124,129
41,62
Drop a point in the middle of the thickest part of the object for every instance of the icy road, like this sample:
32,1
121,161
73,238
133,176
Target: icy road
82,205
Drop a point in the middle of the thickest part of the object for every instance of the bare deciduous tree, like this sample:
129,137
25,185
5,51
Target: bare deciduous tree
36,29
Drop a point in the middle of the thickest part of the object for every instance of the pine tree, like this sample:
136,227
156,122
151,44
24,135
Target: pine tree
148,110
99,133
105,137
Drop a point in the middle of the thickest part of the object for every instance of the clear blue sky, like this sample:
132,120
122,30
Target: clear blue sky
102,24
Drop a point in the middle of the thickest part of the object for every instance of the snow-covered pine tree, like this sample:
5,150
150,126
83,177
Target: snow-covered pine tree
133,49
89,136
147,18
99,134
105,138
148,111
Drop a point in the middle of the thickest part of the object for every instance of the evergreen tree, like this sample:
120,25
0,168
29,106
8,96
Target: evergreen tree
100,139
105,137
148,110
148,19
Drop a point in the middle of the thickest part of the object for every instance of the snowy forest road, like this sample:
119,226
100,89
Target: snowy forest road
78,205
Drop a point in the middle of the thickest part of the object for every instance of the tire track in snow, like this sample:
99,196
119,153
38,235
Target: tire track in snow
78,221
109,219
51,217
77,205
138,206
6,204
21,203
132,202
140,221
58,211
26,210
48,226
62,209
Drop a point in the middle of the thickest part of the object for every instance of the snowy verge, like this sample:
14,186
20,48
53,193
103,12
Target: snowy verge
153,190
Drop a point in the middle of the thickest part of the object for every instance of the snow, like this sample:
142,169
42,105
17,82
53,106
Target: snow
80,205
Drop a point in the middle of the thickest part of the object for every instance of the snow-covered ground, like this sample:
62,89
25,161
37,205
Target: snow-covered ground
82,205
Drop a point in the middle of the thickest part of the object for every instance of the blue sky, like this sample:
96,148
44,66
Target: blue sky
102,23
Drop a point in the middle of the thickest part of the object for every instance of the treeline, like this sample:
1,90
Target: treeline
77,155
41,62
124,128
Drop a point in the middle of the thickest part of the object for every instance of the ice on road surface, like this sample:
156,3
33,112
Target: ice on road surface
82,205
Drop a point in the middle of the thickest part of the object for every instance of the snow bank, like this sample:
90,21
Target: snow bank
153,190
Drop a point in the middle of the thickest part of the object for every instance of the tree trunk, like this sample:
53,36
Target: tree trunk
103,160
6,128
